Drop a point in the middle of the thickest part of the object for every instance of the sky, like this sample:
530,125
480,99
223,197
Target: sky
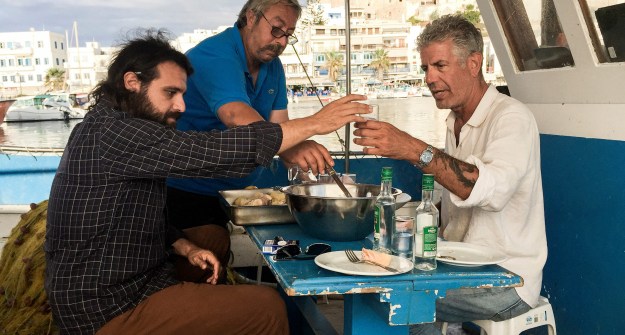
108,21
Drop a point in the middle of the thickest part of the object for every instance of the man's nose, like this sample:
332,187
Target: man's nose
179,104
430,77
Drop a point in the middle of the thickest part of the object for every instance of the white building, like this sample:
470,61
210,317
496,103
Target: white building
26,57
87,66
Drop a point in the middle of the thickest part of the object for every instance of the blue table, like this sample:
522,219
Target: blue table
373,305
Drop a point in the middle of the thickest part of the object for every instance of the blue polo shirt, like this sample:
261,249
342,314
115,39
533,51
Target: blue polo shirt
221,76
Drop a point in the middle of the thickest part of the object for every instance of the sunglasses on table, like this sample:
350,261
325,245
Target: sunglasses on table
294,252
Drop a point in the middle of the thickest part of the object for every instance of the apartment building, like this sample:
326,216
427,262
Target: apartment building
86,66
26,57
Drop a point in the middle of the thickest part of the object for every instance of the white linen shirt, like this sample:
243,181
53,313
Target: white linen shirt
505,208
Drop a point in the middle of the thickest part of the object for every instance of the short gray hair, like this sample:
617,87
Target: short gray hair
466,37
258,7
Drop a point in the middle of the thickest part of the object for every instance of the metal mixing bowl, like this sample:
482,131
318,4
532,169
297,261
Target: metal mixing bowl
323,211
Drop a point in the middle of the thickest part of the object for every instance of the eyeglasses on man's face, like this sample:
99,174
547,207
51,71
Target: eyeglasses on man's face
279,33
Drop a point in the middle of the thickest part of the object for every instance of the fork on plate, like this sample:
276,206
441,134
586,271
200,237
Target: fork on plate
352,257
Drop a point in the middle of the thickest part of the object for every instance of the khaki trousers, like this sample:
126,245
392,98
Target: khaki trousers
194,307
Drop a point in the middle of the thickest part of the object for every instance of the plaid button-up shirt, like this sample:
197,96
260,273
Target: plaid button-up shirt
107,239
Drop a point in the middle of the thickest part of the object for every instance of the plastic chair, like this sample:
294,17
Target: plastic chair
539,316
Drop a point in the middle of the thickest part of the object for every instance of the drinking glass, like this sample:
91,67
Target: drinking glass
375,112
402,236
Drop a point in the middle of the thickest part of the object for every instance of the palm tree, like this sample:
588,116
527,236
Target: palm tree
334,64
55,79
380,62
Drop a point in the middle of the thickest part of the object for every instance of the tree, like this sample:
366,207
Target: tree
334,64
55,79
313,14
380,62
414,20
471,14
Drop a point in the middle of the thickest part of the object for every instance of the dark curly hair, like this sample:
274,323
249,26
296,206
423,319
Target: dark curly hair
141,55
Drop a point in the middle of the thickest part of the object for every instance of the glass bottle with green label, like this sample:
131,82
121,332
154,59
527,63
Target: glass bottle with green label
384,212
426,227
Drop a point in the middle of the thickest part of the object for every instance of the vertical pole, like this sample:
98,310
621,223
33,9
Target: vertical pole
348,78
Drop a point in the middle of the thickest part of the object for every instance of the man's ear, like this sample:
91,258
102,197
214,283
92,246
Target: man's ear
250,17
475,63
132,82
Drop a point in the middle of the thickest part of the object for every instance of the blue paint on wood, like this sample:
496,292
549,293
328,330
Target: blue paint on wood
398,300
584,191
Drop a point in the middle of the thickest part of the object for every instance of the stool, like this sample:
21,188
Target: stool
539,316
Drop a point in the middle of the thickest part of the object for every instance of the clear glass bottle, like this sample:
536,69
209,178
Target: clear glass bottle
384,213
426,227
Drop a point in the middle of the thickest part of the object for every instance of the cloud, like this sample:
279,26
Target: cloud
108,21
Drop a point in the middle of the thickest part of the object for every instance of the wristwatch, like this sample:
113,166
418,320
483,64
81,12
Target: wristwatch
426,157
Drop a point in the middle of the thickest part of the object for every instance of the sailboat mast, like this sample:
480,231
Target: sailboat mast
78,55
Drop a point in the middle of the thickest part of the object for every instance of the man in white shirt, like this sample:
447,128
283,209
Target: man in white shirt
490,171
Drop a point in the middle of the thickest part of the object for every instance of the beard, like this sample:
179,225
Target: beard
140,106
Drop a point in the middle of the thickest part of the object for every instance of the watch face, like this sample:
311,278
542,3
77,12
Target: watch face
426,156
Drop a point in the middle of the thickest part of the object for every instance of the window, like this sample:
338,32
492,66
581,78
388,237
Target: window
55,45
61,45
2,63
58,62
1,45
605,20
10,45
27,61
13,79
77,76
320,31
39,78
534,33
30,77
46,61
11,62
27,44
5,79
39,44
37,61
20,62
320,58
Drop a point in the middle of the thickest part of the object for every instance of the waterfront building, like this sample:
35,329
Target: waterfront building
26,57
86,66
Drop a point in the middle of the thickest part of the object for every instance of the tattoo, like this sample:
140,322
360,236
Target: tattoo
459,168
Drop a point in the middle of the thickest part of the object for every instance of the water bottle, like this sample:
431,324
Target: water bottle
384,213
426,228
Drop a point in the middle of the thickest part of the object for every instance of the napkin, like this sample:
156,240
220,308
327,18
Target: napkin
376,256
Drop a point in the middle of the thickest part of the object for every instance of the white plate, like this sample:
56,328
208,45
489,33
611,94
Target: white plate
337,261
467,254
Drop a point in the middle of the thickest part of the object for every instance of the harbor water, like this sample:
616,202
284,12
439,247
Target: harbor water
417,116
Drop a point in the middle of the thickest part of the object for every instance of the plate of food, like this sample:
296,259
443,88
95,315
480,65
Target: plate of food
337,261
256,206
467,254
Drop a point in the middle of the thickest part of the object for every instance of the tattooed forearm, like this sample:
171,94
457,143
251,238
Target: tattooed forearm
459,169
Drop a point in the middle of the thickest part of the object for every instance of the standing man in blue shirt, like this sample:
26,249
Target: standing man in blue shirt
239,79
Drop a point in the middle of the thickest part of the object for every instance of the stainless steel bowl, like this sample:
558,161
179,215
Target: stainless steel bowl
323,211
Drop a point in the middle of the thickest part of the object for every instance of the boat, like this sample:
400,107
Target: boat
391,91
43,107
4,107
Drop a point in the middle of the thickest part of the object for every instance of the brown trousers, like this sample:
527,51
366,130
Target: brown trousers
194,307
